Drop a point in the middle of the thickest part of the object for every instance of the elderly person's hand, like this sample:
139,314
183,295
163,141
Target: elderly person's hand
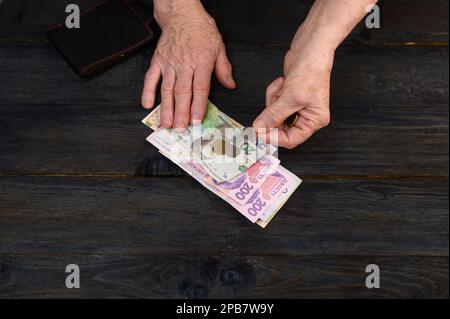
189,50
305,90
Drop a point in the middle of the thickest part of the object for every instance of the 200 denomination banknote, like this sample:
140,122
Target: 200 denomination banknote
259,192
222,145
258,187
238,189
266,200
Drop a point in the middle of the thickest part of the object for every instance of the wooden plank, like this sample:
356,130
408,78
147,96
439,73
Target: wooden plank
61,139
275,22
135,238
35,73
135,216
254,21
386,121
223,277
110,140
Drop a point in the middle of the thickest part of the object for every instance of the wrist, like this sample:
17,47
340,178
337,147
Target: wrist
313,47
314,37
311,57
167,12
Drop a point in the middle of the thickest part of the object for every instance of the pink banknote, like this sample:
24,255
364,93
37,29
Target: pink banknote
241,188
257,194
274,189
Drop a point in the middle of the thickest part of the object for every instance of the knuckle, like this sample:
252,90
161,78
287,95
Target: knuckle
274,85
325,120
148,74
201,87
167,88
300,97
182,90
181,109
274,114
155,60
153,67
202,55
290,145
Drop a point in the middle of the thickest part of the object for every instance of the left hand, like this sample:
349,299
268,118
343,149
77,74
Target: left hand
304,89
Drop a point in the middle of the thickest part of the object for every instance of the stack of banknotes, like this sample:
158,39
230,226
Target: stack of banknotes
239,169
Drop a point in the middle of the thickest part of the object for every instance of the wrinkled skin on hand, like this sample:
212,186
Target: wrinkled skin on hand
304,89
189,50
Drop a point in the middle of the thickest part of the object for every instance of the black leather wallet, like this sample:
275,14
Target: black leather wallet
109,32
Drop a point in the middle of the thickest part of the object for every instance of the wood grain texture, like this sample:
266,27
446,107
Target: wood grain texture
110,140
223,277
65,215
361,76
79,184
385,120
275,22
254,21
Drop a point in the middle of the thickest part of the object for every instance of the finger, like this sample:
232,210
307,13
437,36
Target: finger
297,134
183,97
294,137
273,115
202,85
167,98
288,138
150,84
224,71
273,89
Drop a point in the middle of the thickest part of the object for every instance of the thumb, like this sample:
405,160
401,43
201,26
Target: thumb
223,70
273,116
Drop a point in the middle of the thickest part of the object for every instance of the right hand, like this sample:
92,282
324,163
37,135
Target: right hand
189,50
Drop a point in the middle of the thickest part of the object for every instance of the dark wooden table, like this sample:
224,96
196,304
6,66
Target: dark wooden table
80,185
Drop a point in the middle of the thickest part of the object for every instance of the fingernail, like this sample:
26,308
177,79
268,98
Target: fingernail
166,122
179,127
147,102
196,119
